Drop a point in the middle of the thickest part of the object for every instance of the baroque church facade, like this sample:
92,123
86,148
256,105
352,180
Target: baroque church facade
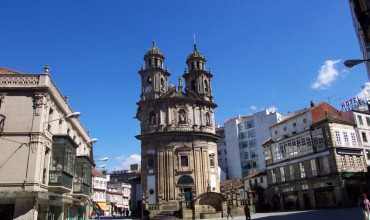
178,139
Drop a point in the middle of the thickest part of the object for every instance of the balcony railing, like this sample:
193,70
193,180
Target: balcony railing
81,188
60,178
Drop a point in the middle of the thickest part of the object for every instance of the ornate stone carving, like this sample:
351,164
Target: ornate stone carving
39,100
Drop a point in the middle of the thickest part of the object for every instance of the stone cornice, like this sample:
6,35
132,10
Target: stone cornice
177,100
184,134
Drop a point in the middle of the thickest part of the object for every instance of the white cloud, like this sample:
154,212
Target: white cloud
365,92
253,107
327,74
125,162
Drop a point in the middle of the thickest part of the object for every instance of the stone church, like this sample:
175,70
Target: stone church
178,140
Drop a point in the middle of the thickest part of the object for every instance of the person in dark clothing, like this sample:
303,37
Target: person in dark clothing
229,212
247,212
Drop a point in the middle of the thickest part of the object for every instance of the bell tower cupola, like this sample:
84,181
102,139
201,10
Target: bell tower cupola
197,78
154,76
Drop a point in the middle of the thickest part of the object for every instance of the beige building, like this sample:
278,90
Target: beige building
178,140
314,160
46,154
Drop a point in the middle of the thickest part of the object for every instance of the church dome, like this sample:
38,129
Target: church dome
196,54
154,51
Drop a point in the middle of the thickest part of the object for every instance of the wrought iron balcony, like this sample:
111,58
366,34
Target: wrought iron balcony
60,179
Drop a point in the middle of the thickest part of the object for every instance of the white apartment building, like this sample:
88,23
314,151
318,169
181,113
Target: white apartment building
100,186
119,195
222,154
244,136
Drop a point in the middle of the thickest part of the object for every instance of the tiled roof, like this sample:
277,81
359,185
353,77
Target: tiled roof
4,70
96,173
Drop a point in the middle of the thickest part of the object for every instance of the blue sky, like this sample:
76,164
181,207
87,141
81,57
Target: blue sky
261,54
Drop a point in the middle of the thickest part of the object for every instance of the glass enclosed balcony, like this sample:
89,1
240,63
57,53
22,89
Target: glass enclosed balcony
82,180
60,178
62,164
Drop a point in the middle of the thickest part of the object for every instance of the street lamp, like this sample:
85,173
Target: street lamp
351,63
93,140
69,116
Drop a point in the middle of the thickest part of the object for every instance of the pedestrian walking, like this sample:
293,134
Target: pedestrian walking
365,205
229,212
247,212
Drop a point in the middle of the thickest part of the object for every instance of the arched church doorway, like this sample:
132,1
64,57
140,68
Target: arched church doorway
186,184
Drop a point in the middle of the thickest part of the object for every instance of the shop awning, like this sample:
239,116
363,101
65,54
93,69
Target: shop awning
103,206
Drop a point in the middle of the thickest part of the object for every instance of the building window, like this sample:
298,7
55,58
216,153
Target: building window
212,160
273,176
304,120
150,162
291,172
250,124
251,133
208,119
246,156
301,168
282,173
276,132
325,165
152,118
184,160
294,125
182,116
206,87
337,138
313,167
345,135
162,84
261,179
252,143
359,118
368,121
368,154
353,138
364,138
193,85
284,128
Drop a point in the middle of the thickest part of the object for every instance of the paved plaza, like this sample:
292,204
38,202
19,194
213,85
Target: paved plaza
337,214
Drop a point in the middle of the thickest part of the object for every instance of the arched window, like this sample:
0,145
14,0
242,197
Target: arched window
212,160
193,86
152,118
182,116
208,119
206,87
162,83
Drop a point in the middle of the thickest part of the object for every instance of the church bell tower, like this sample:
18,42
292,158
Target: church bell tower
154,76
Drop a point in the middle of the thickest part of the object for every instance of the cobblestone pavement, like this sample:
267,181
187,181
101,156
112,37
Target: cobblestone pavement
328,214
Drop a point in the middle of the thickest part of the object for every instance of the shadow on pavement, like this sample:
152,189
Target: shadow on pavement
336,214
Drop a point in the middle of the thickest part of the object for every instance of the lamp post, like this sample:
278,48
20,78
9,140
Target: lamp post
68,116
354,62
